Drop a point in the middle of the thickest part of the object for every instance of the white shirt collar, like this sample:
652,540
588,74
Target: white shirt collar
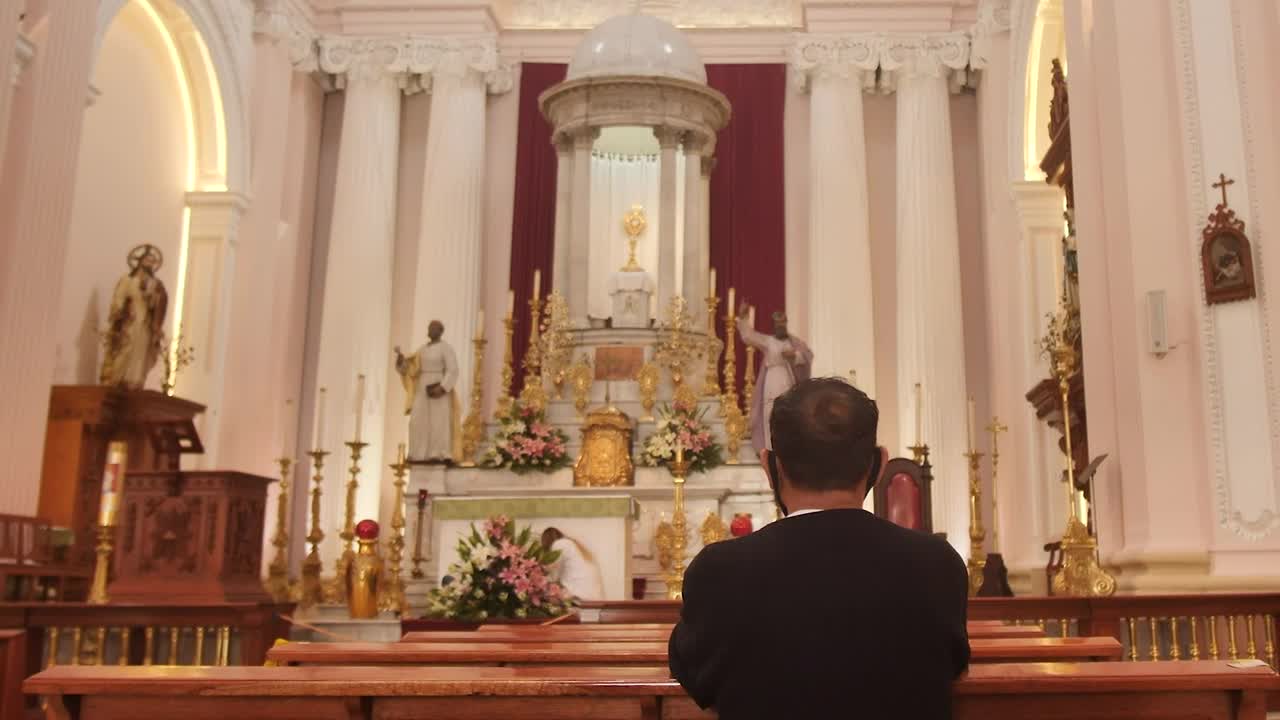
798,513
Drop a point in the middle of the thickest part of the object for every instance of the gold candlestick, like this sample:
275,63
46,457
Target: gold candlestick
977,556
534,395
312,593
505,400
919,453
473,426
418,557
711,382
277,584
730,394
338,588
995,428
391,595
102,566
749,385
674,577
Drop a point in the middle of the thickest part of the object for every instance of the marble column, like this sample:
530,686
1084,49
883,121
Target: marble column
36,191
668,142
560,270
930,323
835,72
580,224
9,48
697,245
451,230
356,316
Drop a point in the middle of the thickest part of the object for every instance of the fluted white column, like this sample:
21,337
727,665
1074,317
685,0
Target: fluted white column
697,244
930,322
355,326
560,271
668,141
36,194
835,70
580,224
451,231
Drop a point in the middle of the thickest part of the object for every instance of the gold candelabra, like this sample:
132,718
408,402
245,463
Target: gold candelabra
749,384
418,557
391,594
735,422
102,566
1081,573
711,382
677,537
977,534
338,588
533,394
677,348
473,426
277,584
648,378
312,591
995,428
557,342
505,400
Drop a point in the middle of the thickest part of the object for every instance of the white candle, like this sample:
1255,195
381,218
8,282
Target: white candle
480,324
400,454
359,405
853,378
711,283
751,317
537,283
290,424
319,438
969,424
733,309
511,303
919,416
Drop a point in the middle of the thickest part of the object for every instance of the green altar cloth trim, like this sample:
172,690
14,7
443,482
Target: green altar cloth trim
523,508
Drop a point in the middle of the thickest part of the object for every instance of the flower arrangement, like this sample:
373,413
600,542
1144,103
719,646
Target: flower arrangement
526,442
682,424
499,574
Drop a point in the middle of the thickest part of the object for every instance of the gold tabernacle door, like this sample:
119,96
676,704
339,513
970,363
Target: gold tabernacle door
606,450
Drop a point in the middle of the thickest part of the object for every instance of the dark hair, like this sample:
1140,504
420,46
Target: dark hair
549,536
824,433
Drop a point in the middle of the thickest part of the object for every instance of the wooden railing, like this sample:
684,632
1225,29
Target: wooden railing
33,566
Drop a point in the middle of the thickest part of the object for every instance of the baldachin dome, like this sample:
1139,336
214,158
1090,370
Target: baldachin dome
636,45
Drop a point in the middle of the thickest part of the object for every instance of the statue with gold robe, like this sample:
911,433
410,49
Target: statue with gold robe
135,324
429,377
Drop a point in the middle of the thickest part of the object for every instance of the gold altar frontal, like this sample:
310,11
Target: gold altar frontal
605,460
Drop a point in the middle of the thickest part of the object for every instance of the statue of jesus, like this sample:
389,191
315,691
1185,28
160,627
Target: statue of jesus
135,324
785,360
429,377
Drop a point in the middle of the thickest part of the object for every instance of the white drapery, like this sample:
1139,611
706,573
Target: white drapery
619,182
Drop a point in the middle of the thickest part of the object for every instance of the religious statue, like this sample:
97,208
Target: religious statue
429,377
785,361
135,325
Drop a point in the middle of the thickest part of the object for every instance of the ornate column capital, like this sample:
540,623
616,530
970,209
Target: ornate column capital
578,138
994,18
457,58
850,57
362,59
668,137
282,21
941,56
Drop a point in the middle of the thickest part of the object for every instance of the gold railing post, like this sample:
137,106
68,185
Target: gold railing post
1195,641
1253,642
200,645
1213,637
1175,652
1155,638
1269,626
1232,649
1133,640
52,660
125,635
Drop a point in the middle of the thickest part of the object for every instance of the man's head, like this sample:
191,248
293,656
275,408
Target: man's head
435,330
824,441
780,325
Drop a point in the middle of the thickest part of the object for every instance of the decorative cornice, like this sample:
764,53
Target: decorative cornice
284,21
560,14
851,57
943,55
994,18
892,54
416,58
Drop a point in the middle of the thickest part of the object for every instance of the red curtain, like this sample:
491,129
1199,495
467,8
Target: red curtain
748,202
534,225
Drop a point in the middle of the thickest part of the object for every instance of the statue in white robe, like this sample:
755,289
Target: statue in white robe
135,324
785,360
429,378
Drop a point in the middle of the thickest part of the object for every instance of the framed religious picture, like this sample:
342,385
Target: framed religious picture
618,362
1225,255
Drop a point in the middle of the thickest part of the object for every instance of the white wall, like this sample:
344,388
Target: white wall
129,187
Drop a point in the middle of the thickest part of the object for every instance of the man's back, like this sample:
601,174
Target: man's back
827,614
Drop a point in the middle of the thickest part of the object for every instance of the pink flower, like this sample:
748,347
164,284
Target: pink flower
510,550
540,428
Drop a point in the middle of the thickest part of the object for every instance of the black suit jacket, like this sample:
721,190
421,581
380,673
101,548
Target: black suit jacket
835,614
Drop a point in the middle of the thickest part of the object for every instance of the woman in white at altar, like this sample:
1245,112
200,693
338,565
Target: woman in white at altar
576,568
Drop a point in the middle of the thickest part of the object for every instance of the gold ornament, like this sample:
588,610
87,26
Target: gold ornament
312,590
711,381
534,395
977,556
749,384
277,584
364,580
648,378
505,400
676,537
633,224
473,426
678,347
391,594
582,375
713,529
102,566
735,428
605,460
995,428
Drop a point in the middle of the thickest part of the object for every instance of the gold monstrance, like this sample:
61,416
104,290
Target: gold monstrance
633,224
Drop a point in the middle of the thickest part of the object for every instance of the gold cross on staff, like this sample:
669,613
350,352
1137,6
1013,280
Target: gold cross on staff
1222,183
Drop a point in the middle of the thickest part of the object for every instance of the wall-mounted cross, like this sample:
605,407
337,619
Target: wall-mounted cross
1222,183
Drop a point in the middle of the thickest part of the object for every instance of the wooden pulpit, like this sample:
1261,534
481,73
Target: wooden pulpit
83,421
190,537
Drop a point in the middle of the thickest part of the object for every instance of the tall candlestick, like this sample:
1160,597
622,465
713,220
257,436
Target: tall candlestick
112,480
359,405
969,425
319,438
537,283
919,416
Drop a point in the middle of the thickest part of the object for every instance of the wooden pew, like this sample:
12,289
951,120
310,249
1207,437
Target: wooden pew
13,667
656,632
1136,691
631,653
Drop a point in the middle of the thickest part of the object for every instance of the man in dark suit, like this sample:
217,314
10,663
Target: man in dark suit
830,612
